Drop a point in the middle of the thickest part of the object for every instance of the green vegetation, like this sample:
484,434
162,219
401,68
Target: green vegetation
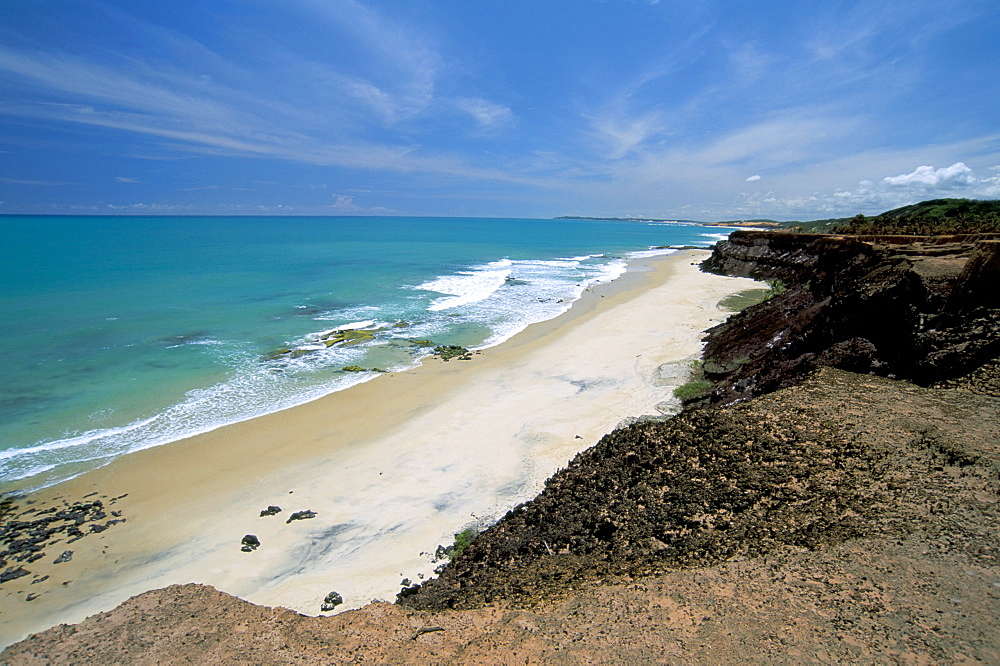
816,226
927,218
775,287
693,389
744,299
421,343
462,541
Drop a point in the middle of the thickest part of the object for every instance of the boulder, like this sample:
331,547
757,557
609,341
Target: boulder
249,543
301,515
331,601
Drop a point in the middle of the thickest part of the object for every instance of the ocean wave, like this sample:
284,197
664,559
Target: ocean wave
199,342
469,286
652,252
538,290
255,390
361,312
350,326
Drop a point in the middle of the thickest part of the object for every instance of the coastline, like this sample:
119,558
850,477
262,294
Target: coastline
392,467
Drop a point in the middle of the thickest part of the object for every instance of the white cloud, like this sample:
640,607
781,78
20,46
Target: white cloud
753,179
948,178
486,113
123,179
344,202
18,181
874,196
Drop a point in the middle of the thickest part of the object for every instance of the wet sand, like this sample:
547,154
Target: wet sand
392,467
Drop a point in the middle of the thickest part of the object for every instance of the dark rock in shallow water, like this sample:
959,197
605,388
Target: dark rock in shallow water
270,511
301,515
331,601
249,543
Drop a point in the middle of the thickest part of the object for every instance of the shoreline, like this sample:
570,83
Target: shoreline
392,466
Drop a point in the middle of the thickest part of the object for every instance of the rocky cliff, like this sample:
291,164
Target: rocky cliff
924,309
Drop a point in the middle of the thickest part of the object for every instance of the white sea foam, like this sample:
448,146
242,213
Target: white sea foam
361,312
253,392
651,252
357,325
468,286
201,342
537,291
353,326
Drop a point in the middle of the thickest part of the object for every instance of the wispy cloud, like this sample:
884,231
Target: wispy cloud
324,118
623,134
20,181
488,114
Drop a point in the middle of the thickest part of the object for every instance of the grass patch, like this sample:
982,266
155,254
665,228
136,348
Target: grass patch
462,541
744,299
692,390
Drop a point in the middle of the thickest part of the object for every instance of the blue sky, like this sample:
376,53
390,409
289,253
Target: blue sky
702,109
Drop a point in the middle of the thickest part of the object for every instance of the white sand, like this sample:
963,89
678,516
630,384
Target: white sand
392,467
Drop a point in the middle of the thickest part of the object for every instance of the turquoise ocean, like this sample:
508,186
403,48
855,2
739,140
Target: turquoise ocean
122,333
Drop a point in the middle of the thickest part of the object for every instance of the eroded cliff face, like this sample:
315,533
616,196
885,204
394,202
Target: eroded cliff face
924,309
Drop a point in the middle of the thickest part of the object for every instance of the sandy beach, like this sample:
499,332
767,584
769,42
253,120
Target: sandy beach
392,468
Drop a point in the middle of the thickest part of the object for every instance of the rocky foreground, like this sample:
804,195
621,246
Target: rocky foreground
813,508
